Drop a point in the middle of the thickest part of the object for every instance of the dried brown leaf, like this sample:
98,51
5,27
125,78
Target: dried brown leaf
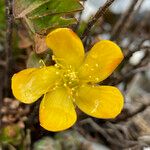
40,44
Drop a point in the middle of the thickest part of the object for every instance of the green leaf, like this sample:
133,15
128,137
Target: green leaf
56,7
41,25
43,15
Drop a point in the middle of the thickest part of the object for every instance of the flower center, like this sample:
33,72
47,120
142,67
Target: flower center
70,78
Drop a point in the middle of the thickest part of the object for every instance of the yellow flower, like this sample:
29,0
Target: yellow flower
71,81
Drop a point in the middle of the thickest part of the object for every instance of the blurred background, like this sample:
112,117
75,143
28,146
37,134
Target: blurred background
125,22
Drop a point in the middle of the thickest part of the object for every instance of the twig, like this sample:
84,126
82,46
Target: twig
98,15
142,23
140,67
128,116
8,43
98,129
138,46
127,24
120,24
105,133
1,96
138,31
131,73
2,63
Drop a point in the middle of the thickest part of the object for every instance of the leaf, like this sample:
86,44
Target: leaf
43,24
43,15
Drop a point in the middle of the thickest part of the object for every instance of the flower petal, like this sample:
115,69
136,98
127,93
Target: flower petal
30,84
101,61
100,101
57,111
67,47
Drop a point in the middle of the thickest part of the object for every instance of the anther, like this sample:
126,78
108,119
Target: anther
86,65
56,65
57,72
73,89
92,69
96,65
54,88
90,76
71,92
97,79
65,84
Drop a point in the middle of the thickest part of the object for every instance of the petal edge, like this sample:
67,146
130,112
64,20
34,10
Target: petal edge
101,61
66,46
57,111
30,84
100,102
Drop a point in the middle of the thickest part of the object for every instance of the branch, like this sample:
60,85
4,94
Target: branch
128,23
1,96
8,43
127,116
98,15
2,63
121,23
138,46
131,73
106,134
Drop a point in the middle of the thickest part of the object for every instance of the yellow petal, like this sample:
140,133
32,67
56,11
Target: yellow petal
100,101
101,61
30,84
57,111
67,47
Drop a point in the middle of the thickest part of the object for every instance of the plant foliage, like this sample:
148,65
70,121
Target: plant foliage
43,15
